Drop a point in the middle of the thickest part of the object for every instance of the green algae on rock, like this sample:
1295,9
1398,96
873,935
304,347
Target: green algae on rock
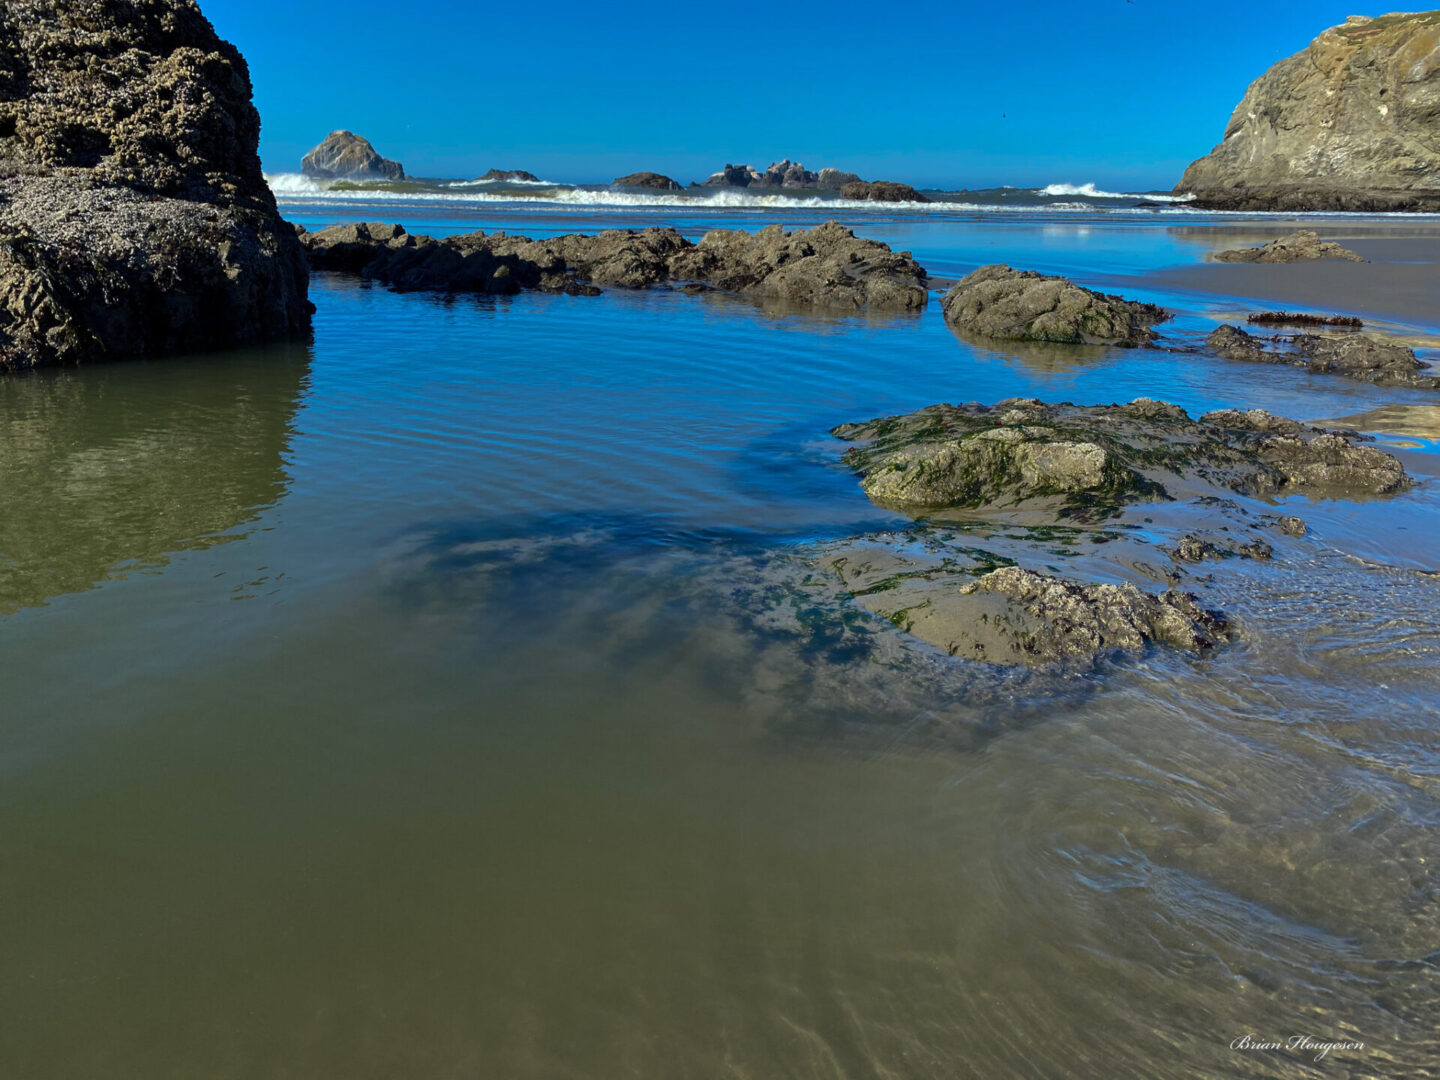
1095,459
1022,305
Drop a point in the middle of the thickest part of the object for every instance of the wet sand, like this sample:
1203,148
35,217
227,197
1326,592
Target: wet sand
1400,282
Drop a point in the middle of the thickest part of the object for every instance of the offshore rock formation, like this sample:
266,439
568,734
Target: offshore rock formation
827,266
1301,246
1352,122
1021,305
881,191
343,155
1092,460
134,219
1355,356
509,175
659,181
781,174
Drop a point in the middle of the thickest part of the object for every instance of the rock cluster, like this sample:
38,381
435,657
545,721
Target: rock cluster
1348,123
134,219
343,155
1092,460
1356,356
1301,246
659,181
793,175
1021,305
510,175
827,266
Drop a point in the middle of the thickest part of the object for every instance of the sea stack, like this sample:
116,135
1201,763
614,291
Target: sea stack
1352,122
134,219
346,156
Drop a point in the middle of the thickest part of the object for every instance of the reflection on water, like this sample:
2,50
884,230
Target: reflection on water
109,470
548,751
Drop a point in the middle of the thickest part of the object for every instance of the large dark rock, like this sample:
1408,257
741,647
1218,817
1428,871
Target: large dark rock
881,191
510,175
1356,356
780,174
1096,459
1022,305
827,266
647,180
134,219
1303,245
343,155
1352,122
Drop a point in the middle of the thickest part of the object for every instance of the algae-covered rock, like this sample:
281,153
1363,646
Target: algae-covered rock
1364,357
1022,305
881,191
134,219
1348,123
1303,245
827,266
1094,459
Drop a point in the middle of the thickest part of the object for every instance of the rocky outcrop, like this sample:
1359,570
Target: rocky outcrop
953,597
1021,305
827,266
647,180
835,178
509,176
134,219
881,191
1301,246
1356,356
343,155
780,174
733,176
1093,460
1352,122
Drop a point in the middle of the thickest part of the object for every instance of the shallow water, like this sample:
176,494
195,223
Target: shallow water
453,697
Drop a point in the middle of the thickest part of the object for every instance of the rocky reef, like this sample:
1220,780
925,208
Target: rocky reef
655,180
1301,246
1022,305
1364,357
1023,479
881,191
343,155
1089,461
1352,122
827,266
134,219
509,175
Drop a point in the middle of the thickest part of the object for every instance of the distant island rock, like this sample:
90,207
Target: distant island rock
511,175
656,180
346,156
881,191
134,219
781,174
1352,122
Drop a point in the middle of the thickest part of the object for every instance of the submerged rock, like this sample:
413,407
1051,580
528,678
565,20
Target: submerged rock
827,266
1355,356
343,155
647,180
1090,460
881,191
1013,616
134,219
1021,305
1348,123
510,175
1301,246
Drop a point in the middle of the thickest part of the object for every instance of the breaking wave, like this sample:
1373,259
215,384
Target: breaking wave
1089,191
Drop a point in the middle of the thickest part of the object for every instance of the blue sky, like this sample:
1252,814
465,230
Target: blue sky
1117,92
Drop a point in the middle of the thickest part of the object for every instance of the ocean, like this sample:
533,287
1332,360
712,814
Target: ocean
451,696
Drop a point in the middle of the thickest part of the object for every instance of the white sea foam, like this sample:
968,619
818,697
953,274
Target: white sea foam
1089,191
489,183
